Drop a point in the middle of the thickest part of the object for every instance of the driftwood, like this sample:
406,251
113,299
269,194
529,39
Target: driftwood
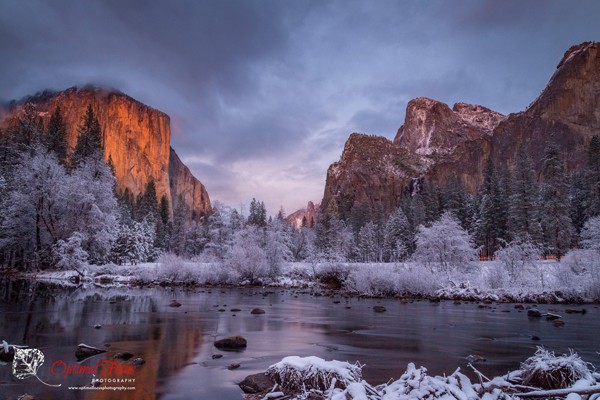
560,392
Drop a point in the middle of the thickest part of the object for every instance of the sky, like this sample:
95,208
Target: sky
263,94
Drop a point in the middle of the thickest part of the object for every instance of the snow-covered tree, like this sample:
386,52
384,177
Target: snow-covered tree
556,222
490,225
134,243
398,236
69,254
444,244
590,234
524,221
367,247
246,256
518,256
278,245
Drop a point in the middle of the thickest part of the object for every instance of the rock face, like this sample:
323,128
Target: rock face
372,169
566,112
437,143
186,189
310,213
136,137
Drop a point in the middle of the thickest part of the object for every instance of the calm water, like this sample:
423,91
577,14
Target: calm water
177,343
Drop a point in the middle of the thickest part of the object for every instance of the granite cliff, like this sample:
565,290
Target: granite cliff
136,137
437,143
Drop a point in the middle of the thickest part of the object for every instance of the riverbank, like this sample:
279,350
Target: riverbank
550,283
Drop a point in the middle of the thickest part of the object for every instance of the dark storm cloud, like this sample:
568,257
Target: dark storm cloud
263,94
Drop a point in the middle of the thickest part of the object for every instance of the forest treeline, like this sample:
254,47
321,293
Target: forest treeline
60,207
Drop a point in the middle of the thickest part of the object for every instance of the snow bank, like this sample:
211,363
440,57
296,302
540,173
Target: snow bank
301,378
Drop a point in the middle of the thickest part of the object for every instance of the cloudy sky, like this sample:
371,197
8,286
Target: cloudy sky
263,94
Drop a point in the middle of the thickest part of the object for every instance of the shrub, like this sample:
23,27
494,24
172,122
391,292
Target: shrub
547,371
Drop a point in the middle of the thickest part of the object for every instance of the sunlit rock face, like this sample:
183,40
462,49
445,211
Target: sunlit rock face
136,137
438,143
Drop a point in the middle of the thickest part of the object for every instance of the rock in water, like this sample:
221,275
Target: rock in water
175,303
123,356
231,343
534,313
379,309
137,361
257,311
84,351
256,383
233,366
216,356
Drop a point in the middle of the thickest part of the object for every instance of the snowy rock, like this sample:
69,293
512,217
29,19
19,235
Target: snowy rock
84,351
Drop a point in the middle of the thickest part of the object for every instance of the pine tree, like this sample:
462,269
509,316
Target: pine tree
398,240
258,213
490,226
524,223
456,200
55,138
593,172
147,206
556,222
89,141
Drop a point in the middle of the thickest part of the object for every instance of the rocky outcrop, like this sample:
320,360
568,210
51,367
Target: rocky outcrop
437,143
186,189
136,138
310,213
371,170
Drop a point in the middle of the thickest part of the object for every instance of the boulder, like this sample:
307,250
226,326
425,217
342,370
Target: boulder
534,313
84,351
256,383
231,343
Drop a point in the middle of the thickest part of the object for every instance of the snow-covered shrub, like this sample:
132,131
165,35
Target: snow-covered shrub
548,371
516,257
332,273
297,374
582,268
372,281
246,257
391,279
69,254
445,245
496,277
172,268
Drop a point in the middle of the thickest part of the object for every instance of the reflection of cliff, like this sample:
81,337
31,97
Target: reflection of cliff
56,320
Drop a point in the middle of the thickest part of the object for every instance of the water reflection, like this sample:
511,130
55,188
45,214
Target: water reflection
177,342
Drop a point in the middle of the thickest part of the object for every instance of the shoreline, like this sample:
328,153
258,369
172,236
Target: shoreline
453,292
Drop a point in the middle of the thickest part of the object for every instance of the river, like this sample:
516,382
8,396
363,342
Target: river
177,342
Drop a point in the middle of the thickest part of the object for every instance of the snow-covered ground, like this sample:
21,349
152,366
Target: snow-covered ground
574,279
